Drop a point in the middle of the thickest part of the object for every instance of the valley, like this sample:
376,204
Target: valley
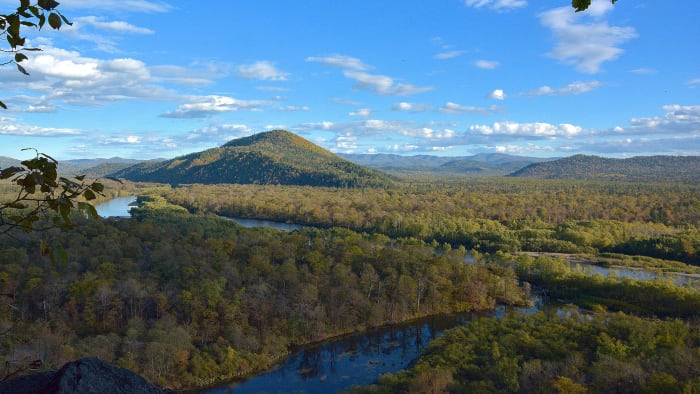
190,299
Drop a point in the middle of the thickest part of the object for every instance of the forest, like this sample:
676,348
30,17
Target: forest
188,298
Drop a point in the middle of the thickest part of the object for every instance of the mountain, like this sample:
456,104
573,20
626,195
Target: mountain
635,169
273,157
95,167
479,164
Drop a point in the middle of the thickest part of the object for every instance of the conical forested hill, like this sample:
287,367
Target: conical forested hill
636,169
274,157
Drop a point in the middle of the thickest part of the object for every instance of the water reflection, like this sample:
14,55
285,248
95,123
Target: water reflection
353,360
119,207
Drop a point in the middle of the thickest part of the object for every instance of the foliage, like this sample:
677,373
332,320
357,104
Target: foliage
505,214
275,157
188,300
659,298
44,199
27,16
567,352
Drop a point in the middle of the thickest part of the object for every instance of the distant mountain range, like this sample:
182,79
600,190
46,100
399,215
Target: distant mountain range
273,157
281,157
93,168
635,169
480,164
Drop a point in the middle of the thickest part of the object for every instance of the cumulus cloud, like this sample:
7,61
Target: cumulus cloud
454,108
210,105
583,43
497,94
537,129
262,70
498,5
383,85
65,76
341,61
486,64
572,88
678,119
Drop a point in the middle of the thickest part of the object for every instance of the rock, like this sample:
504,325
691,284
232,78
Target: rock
88,375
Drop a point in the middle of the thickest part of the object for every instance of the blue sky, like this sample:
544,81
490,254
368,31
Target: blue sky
148,78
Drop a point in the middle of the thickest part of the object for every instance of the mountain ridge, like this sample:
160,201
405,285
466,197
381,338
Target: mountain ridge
272,157
635,169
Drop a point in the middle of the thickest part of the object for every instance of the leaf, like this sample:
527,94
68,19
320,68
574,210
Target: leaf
20,56
3,105
89,195
54,21
9,172
22,70
98,187
65,20
80,177
48,4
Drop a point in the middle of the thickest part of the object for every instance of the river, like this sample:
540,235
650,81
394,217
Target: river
118,207
357,359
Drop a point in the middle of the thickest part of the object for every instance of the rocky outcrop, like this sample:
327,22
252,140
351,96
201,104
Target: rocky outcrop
89,375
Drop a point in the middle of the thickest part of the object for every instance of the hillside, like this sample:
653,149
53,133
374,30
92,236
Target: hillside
480,164
274,157
635,169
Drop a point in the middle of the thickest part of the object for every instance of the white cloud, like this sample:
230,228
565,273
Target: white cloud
585,45
362,112
498,5
486,64
383,85
262,70
411,107
572,88
65,76
113,26
342,61
694,82
454,108
11,126
537,129
130,139
210,105
497,94
678,120
449,55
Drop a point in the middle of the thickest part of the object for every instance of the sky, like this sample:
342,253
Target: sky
147,79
